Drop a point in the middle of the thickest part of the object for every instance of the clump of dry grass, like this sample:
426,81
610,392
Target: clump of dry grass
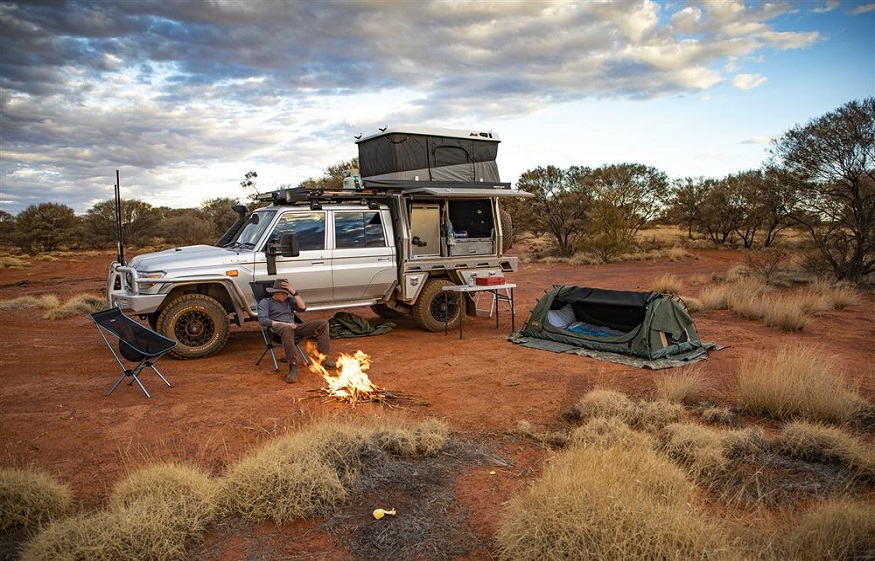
648,415
583,507
684,385
706,452
717,414
24,302
836,529
30,499
154,513
699,449
303,473
667,284
190,492
605,433
787,314
77,306
556,439
13,262
714,298
802,382
817,442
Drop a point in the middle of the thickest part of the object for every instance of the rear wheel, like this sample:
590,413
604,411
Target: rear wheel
436,309
197,322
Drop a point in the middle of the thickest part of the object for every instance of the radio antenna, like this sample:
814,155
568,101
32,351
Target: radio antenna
118,220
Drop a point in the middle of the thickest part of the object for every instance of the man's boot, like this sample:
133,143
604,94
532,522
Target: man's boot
292,377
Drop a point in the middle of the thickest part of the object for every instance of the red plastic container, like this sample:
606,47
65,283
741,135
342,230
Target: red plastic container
489,281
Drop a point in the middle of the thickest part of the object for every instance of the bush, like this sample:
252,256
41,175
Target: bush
25,302
798,383
817,442
683,386
76,306
30,499
837,529
583,507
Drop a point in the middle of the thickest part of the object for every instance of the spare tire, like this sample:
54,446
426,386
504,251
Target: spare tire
506,230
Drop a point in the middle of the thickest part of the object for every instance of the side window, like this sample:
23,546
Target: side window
308,227
353,229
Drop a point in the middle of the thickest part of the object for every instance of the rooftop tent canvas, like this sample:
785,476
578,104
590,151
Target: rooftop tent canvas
645,329
429,154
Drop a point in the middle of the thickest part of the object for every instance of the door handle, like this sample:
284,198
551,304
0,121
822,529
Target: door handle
317,262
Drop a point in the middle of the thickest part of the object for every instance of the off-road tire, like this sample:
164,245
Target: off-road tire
386,312
197,322
434,306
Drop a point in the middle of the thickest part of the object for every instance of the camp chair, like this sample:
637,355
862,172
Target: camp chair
271,339
136,343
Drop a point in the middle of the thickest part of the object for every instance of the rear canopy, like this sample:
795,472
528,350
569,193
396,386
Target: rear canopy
653,329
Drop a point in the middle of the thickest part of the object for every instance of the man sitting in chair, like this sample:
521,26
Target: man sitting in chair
278,313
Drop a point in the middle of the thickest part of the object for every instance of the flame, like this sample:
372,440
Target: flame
351,382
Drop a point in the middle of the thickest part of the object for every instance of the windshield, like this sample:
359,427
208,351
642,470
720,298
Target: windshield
254,229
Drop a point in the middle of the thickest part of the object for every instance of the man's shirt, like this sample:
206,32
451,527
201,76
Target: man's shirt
270,309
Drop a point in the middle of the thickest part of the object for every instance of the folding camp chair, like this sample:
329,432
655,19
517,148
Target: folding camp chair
271,339
136,343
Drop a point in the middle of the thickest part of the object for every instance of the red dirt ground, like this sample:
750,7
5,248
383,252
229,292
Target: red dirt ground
55,414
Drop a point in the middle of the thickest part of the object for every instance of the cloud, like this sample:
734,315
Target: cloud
748,81
863,9
829,6
167,90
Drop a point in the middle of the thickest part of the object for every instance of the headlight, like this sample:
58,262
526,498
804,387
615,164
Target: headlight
152,275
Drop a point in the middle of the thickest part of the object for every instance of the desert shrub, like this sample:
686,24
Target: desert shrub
717,414
30,499
25,302
801,382
612,404
605,433
426,439
297,474
133,533
843,295
837,529
13,262
787,314
817,442
714,298
583,507
154,513
698,449
190,493
77,306
558,439
667,284
683,385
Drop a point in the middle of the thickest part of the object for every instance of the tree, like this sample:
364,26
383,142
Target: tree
44,227
188,227
139,222
332,176
686,202
638,191
7,228
220,214
560,204
719,214
249,183
832,160
607,230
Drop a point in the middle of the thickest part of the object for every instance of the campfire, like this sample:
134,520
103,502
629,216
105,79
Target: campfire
351,384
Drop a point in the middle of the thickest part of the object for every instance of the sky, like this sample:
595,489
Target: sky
184,97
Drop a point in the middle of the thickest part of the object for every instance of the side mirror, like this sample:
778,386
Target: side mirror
289,245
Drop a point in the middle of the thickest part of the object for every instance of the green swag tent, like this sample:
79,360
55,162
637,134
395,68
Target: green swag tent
645,329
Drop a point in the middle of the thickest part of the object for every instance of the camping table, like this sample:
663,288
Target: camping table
460,289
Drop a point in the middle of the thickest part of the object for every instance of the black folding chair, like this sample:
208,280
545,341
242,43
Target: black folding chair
271,339
136,343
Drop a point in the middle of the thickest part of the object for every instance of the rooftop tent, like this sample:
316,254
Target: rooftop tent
429,154
645,329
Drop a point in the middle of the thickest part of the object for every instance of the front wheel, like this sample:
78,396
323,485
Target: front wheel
436,309
197,322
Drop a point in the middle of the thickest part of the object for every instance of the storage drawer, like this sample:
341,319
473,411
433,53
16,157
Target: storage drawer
472,246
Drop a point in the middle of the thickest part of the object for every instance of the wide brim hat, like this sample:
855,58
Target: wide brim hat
278,287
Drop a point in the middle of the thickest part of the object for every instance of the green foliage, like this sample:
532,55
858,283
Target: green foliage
332,176
188,228
220,214
140,223
832,162
44,227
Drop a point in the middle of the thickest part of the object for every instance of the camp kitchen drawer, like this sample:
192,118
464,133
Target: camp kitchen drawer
472,246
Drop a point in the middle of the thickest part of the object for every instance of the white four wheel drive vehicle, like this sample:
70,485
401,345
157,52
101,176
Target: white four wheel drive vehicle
424,214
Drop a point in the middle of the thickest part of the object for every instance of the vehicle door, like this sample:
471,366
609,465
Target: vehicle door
363,259
310,271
